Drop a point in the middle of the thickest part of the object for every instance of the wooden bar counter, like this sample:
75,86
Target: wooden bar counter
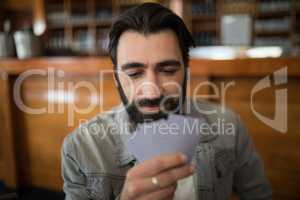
30,140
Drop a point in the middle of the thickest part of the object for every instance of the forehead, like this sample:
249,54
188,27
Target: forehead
149,49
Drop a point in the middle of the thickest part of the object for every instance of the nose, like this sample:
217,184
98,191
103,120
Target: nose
150,87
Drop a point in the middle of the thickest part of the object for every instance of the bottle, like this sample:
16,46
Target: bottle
7,48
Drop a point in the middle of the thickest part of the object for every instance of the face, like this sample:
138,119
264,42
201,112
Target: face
150,72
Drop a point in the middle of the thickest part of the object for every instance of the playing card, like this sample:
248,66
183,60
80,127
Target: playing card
176,134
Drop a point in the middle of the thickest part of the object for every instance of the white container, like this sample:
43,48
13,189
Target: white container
27,44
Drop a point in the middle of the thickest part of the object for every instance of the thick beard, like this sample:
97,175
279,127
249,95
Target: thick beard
172,105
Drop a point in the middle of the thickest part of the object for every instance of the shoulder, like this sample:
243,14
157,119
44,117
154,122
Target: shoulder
92,142
90,130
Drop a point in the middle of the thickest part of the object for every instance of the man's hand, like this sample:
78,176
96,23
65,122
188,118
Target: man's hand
166,169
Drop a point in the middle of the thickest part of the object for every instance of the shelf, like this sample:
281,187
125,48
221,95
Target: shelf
106,23
273,14
296,39
209,27
129,2
98,24
80,25
103,23
55,26
272,33
204,18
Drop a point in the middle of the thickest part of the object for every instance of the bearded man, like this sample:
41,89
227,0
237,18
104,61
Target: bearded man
149,48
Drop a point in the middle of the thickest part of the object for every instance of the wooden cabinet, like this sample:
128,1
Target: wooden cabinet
81,27
75,27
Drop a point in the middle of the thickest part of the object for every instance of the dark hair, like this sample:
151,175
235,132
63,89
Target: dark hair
150,18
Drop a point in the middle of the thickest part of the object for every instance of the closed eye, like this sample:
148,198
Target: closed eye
134,74
169,70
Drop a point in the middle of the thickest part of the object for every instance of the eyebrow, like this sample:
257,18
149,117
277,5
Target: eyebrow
132,65
171,62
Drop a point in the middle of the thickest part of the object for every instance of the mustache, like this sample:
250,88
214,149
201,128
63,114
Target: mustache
170,103
150,102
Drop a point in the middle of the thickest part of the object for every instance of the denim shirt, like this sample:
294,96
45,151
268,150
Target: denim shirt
95,158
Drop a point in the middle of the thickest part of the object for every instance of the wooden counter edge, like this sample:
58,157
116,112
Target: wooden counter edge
201,67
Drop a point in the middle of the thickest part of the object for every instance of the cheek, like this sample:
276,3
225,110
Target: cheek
172,85
172,88
128,86
135,88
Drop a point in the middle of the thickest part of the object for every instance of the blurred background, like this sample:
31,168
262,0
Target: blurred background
71,27
240,41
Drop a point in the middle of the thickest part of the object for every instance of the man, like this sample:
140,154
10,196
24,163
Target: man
149,49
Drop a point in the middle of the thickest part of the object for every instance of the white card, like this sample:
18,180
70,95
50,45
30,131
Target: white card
176,134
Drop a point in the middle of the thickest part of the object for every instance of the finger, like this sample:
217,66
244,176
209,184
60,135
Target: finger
172,176
159,194
143,186
166,179
157,165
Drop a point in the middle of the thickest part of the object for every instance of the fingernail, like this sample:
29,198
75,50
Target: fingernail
183,158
